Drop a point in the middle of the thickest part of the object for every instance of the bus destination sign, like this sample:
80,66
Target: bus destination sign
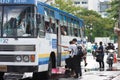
17,1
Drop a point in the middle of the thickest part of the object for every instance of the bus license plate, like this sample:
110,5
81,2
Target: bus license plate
3,68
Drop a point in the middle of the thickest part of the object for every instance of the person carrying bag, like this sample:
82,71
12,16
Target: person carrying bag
100,56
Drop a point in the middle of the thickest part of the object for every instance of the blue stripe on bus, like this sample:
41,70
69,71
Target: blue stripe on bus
45,60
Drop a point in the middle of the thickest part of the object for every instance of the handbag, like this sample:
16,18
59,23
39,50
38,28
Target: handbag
99,58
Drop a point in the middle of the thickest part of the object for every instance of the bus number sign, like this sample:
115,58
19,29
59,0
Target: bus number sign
17,1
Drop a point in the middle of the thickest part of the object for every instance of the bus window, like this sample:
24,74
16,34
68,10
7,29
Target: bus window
63,31
0,19
24,16
79,30
53,28
38,19
48,28
46,12
72,28
76,32
41,28
52,13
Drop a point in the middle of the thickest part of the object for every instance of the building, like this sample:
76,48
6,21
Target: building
103,7
81,3
99,6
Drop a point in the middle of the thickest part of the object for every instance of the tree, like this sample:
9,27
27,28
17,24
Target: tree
114,9
101,27
115,13
66,5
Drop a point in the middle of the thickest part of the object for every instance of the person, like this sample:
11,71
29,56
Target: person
110,46
63,32
95,47
85,54
77,61
21,29
69,60
100,52
49,29
76,32
70,49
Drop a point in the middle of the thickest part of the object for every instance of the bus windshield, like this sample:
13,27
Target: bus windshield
18,21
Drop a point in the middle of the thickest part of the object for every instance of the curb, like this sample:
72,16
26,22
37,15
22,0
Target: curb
117,77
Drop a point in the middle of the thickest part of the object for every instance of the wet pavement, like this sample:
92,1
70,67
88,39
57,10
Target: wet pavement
92,72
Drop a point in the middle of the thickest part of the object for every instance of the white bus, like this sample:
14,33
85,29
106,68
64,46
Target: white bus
29,34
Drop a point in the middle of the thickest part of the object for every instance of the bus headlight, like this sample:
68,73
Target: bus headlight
26,58
18,58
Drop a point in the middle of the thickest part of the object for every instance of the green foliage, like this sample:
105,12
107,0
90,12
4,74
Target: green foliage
114,9
66,5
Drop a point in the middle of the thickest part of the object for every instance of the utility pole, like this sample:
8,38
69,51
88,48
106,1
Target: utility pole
119,33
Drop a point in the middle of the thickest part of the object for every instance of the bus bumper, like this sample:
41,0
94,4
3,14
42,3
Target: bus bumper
19,69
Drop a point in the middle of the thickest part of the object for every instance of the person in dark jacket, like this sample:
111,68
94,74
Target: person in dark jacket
100,52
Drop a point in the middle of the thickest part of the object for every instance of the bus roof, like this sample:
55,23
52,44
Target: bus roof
59,11
18,2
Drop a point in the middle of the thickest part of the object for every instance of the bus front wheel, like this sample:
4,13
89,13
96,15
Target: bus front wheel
1,75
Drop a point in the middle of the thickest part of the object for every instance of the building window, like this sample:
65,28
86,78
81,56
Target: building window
76,2
84,2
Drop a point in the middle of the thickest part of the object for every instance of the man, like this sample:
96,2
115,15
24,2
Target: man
69,61
77,61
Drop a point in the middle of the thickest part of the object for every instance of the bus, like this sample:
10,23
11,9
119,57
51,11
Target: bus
29,34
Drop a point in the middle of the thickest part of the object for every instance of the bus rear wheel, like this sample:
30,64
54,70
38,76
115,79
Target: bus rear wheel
49,68
51,64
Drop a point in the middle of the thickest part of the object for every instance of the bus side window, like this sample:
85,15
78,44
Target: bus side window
76,32
63,31
41,27
48,27
53,28
38,18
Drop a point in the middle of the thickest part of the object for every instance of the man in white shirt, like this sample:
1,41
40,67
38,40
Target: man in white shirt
77,61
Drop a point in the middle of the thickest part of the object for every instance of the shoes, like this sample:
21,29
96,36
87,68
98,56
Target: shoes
86,64
76,76
80,77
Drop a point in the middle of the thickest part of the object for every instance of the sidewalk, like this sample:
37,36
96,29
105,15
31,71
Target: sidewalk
93,73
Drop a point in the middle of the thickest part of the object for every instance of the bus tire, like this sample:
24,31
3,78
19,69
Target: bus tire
1,75
51,64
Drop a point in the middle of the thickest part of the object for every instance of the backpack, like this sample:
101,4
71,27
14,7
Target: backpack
79,51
